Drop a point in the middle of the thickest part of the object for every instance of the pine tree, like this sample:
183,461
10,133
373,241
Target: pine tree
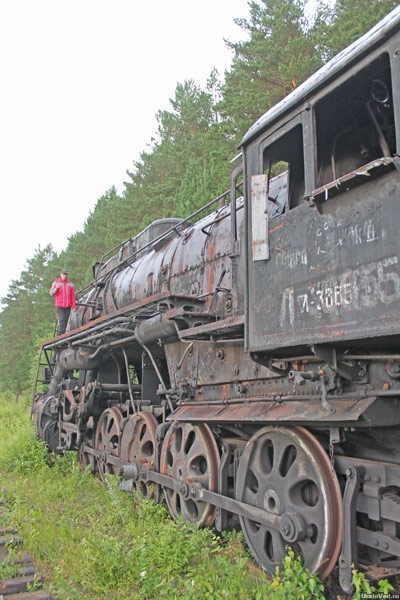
346,20
28,314
278,55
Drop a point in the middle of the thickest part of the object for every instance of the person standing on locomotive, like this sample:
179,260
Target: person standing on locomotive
64,292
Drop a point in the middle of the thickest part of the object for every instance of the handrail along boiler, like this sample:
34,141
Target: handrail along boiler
246,366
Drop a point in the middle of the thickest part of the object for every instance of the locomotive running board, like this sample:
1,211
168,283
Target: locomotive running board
301,411
231,326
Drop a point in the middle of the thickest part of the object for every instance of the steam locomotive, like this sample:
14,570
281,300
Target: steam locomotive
245,366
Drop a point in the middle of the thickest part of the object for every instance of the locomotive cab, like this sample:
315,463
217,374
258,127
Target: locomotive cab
325,261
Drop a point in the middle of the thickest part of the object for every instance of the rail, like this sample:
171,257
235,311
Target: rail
22,581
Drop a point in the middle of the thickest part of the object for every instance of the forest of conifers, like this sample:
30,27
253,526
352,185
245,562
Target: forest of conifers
187,162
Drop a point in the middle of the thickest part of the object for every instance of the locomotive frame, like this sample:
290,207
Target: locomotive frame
245,366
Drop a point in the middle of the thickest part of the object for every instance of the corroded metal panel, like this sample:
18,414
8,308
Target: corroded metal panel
310,411
333,273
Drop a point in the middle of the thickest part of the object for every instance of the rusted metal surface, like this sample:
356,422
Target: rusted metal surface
310,411
168,270
107,439
231,326
138,445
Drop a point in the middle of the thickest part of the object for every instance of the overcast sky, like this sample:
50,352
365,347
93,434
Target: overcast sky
81,82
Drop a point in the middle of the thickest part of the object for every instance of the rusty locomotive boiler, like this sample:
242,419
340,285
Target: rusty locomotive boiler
245,366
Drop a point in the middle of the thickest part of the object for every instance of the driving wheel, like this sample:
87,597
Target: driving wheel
286,472
190,455
107,440
138,445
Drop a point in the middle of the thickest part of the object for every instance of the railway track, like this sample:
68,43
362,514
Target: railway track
22,581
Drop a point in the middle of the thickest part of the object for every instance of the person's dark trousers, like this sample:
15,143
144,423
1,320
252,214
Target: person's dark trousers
62,319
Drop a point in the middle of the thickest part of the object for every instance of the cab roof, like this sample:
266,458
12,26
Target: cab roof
341,62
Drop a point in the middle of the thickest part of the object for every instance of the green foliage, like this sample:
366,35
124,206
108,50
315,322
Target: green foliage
181,174
362,586
20,450
294,582
278,55
27,314
344,21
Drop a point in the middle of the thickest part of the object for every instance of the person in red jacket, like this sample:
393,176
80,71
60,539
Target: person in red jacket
64,292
